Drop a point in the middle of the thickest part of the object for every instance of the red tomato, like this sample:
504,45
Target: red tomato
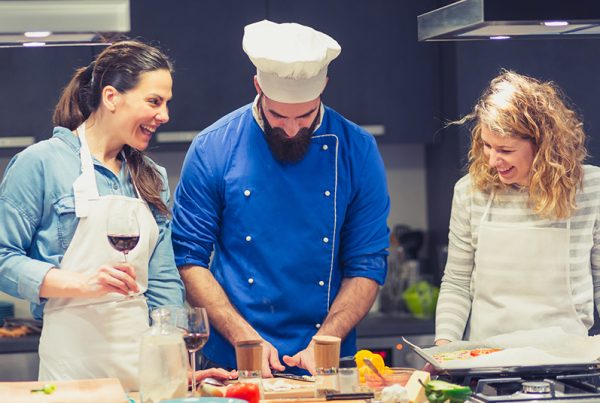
244,391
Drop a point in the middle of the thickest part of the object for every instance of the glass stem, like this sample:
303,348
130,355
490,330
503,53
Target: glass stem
193,362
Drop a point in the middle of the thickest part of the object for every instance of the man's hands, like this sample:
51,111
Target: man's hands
302,359
270,360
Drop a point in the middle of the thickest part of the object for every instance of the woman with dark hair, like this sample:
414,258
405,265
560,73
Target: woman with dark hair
524,242
55,200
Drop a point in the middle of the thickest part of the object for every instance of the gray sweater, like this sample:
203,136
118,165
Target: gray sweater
468,206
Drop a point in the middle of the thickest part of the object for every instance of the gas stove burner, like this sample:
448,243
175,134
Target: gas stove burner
535,387
576,388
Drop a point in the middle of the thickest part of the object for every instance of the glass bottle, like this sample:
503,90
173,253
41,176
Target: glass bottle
163,359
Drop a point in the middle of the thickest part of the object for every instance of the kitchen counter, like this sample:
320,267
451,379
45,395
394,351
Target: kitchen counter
373,325
377,331
23,344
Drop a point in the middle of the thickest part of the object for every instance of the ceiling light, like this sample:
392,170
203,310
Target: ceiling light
37,34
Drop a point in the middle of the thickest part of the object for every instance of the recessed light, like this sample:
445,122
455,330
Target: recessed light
37,34
500,37
556,23
34,44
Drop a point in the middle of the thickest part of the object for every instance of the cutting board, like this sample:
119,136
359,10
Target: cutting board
301,389
108,390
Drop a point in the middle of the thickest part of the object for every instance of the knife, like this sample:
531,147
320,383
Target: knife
349,396
303,378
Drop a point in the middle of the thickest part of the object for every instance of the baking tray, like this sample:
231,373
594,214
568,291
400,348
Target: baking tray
521,370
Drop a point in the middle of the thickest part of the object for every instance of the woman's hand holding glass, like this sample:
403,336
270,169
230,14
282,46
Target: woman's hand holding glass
119,278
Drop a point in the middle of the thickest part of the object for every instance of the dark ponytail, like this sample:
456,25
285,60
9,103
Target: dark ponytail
120,66
72,108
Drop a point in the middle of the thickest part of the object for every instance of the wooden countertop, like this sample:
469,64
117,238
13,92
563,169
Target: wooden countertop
109,390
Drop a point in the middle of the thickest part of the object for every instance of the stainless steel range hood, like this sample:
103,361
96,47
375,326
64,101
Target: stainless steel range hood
504,19
61,22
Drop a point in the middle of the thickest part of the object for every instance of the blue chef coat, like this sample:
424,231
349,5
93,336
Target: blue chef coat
285,235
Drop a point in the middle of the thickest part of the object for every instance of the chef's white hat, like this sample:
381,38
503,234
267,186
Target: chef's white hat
291,59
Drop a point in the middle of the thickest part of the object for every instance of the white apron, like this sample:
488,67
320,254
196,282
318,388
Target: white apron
98,337
521,280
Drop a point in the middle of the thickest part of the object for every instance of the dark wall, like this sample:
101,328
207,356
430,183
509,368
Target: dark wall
31,80
467,69
383,75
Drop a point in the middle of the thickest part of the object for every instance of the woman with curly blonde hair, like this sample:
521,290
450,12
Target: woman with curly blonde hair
524,237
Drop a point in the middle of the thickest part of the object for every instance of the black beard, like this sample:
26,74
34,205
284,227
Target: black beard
286,149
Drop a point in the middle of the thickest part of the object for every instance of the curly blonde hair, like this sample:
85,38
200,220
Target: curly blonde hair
516,105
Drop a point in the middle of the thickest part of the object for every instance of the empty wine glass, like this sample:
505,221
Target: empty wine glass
123,230
195,337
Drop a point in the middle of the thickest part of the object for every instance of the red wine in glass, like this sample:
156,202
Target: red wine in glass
195,341
122,229
196,334
123,243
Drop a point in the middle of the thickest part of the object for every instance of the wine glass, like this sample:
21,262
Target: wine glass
195,337
123,230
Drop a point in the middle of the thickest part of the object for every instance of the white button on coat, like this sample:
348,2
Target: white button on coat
327,193
247,193
318,325
325,239
248,238
250,280
321,283
325,147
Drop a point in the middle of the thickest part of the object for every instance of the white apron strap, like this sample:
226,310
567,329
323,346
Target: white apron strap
84,187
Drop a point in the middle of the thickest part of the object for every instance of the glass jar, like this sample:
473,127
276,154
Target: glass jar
163,359
348,375
248,356
326,381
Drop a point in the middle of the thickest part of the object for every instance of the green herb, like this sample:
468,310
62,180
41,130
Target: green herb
47,389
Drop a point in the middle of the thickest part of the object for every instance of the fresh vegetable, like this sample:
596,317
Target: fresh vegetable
376,359
47,389
483,351
207,390
440,392
244,391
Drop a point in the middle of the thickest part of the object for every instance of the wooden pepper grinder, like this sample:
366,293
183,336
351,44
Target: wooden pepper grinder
327,361
248,354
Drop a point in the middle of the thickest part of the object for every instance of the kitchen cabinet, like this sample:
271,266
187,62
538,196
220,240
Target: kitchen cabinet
383,75
213,75
19,360
32,80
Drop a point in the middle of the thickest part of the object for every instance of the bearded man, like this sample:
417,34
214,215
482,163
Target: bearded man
292,197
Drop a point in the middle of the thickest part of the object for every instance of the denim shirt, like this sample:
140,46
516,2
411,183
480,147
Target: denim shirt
37,216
